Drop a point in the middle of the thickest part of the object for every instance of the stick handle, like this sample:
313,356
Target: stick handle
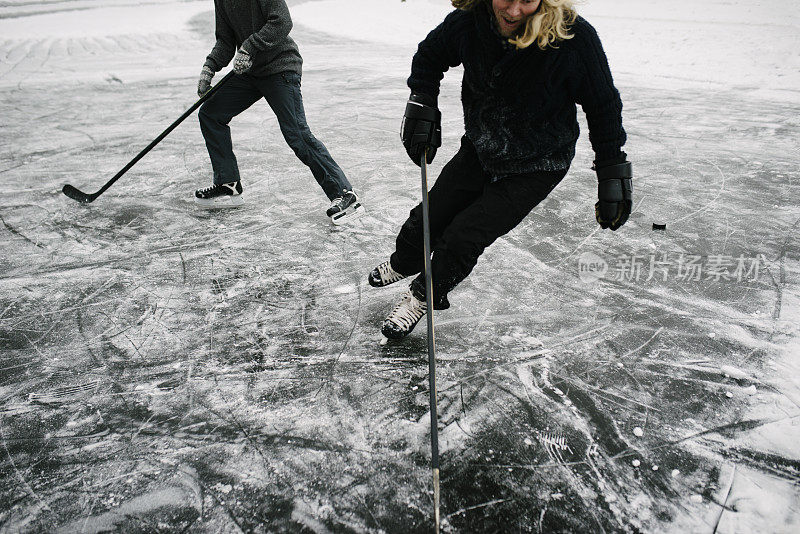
426,231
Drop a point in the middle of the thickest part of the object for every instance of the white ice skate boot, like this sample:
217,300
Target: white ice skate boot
220,196
404,317
345,208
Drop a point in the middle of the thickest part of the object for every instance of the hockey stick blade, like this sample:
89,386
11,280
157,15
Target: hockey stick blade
76,194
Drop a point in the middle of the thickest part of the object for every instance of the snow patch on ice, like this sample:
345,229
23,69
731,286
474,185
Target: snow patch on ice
342,290
733,372
758,499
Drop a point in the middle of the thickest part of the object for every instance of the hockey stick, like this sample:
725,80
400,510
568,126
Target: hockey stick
426,231
76,194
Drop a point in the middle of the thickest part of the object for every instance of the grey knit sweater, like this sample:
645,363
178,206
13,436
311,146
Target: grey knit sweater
261,28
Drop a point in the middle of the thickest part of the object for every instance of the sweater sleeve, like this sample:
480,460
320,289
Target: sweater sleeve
274,30
436,54
597,95
225,47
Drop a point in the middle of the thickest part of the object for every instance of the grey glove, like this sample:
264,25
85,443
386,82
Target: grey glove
204,83
242,62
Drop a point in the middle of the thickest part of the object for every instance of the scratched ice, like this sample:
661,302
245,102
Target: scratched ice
165,369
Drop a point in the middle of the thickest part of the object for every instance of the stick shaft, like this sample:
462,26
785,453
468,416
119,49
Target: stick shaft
162,135
426,231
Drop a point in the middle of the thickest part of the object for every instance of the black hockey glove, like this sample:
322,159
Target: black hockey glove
614,192
421,128
204,83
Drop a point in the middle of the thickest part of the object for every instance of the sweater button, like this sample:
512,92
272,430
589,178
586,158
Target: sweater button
496,73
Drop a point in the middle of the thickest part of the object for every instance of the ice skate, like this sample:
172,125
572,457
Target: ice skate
220,196
404,317
383,275
345,208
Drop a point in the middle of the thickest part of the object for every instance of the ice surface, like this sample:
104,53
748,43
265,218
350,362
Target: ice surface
104,21
166,369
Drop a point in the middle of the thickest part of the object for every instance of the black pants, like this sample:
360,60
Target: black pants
468,212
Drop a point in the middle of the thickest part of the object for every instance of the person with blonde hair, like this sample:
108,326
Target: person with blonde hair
527,63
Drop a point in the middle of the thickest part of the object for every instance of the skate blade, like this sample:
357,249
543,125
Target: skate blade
219,203
347,216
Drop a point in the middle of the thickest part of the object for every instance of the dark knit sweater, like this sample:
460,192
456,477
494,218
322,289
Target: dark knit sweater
520,105
261,28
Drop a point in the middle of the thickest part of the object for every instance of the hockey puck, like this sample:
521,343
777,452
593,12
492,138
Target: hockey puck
657,226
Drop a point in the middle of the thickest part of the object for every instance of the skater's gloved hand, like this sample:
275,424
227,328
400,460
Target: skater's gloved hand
204,83
421,128
242,62
614,192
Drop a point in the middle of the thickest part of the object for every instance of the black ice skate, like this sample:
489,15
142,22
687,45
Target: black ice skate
345,208
220,196
383,275
404,317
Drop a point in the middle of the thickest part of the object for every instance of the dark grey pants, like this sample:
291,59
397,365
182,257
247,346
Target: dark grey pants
282,93
468,212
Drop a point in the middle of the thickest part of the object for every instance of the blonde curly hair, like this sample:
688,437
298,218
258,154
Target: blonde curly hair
546,27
